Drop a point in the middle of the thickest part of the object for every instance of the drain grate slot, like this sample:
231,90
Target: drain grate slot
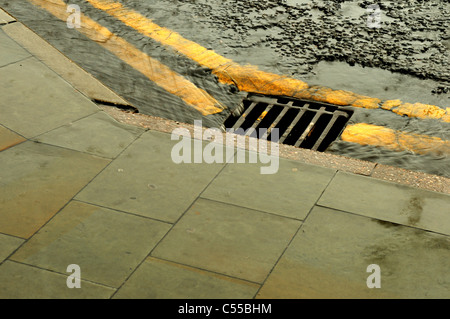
300,123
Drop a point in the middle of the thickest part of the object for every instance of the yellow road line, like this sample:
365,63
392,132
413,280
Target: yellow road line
248,78
368,134
157,72
364,134
417,110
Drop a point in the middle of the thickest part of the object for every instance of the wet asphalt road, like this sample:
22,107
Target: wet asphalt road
321,42
413,37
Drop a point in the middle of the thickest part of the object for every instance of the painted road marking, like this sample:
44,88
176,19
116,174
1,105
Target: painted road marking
368,134
246,78
364,134
250,79
157,72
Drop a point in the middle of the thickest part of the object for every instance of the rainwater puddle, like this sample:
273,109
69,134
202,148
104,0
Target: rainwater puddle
375,82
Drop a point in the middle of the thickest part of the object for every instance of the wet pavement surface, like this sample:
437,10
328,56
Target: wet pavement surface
90,203
325,43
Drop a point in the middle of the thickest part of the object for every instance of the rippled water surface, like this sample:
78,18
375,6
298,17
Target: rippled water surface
324,43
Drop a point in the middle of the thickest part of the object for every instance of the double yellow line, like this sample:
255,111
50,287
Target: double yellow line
151,68
247,78
367,134
250,79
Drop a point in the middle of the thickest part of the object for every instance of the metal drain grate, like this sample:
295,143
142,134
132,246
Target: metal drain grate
300,123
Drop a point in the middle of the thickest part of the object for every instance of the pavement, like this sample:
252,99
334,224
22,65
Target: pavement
88,184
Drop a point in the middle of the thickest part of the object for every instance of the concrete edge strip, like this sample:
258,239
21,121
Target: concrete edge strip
5,18
250,79
377,171
63,66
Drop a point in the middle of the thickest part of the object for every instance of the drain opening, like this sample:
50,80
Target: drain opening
300,123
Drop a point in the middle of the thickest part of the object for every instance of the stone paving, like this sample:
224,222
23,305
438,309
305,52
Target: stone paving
79,187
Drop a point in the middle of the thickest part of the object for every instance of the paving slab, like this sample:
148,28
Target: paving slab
39,180
330,255
228,239
144,180
107,245
97,134
389,201
21,281
41,103
159,279
291,192
7,245
11,52
8,138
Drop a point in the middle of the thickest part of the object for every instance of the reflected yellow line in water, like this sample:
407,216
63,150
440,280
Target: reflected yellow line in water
248,78
368,134
157,72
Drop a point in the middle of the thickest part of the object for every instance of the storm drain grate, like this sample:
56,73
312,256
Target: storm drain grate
300,123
